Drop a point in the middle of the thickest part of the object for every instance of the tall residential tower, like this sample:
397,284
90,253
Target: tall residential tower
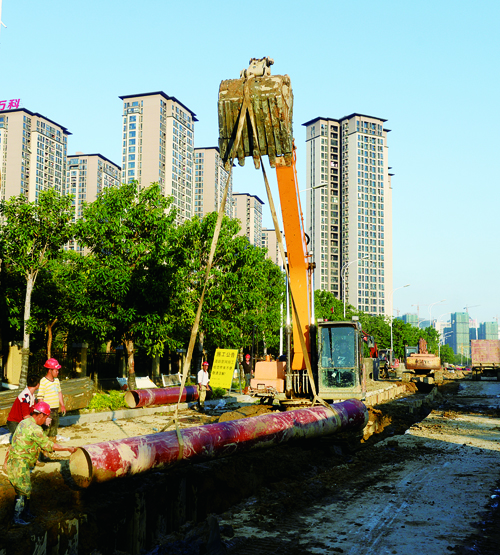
349,209
32,154
209,182
248,209
158,146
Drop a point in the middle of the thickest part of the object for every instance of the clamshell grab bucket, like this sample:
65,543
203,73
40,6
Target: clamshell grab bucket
271,98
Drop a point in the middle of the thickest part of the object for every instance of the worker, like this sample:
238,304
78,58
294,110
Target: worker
27,441
50,392
203,379
21,409
23,405
385,368
247,370
343,356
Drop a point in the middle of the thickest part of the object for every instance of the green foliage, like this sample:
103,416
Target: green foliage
447,355
244,289
328,307
114,400
130,287
218,393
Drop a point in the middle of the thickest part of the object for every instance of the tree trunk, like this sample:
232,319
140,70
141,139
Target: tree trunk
129,346
25,352
198,353
50,327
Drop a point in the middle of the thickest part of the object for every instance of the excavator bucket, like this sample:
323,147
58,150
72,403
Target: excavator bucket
271,100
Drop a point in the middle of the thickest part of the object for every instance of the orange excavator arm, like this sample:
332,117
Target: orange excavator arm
266,130
298,262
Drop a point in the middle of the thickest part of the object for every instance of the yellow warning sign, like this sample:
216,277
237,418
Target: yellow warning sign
223,368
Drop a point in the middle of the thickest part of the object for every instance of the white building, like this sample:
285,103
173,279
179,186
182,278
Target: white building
209,182
248,209
158,146
349,209
32,154
270,243
87,175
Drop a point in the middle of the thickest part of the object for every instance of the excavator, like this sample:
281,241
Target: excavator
255,119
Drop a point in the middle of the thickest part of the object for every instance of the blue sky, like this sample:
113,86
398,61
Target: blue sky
429,68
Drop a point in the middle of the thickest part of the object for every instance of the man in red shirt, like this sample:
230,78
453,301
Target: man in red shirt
21,409
23,405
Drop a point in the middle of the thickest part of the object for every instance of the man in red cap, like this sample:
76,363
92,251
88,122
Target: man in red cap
27,441
247,370
50,392
203,379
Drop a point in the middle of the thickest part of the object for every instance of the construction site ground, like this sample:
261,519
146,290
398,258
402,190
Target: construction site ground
425,476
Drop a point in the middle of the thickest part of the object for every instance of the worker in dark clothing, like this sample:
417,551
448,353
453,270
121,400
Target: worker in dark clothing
247,370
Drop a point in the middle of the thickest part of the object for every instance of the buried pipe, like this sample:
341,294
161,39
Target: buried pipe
161,396
101,462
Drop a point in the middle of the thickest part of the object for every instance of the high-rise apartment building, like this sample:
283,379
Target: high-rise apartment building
32,154
411,319
158,146
209,182
248,209
87,175
270,243
459,338
488,330
349,209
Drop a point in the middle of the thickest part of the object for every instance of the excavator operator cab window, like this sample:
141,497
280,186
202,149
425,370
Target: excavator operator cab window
337,357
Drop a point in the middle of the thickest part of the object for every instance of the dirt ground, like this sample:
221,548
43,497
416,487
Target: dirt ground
334,495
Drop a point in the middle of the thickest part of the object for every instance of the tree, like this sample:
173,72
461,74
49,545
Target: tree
33,233
129,274
57,295
447,355
244,288
328,307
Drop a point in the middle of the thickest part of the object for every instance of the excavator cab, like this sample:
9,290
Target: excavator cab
340,369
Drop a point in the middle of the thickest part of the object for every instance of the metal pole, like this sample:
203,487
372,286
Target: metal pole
344,269
253,348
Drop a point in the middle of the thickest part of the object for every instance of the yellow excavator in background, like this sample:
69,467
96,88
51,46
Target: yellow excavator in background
255,119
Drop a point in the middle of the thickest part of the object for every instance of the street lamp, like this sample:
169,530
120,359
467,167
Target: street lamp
444,314
342,275
430,309
322,184
392,298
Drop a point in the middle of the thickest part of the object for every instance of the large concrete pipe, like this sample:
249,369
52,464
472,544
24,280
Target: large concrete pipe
161,396
105,461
